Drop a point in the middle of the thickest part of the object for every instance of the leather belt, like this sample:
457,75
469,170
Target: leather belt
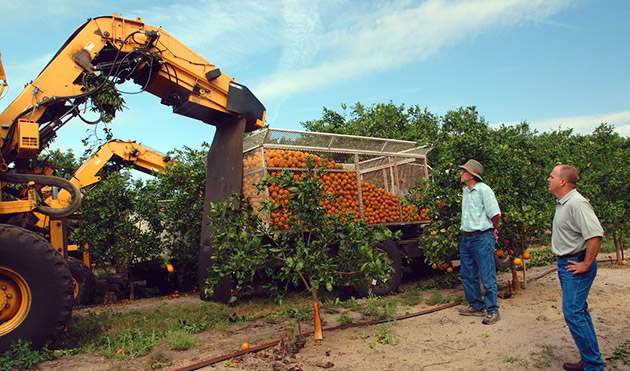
477,232
581,255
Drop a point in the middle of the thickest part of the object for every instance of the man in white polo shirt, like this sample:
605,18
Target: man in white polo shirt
576,239
480,219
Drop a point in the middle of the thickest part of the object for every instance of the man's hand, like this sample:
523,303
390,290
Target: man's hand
578,267
593,245
496,220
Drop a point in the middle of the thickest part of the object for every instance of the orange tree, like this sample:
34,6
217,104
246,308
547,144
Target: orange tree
463,134
310,248
602,159
517,162
520,167
517,167
171,204
109,224
383,120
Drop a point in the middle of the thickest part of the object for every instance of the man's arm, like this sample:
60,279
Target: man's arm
495,222
593,245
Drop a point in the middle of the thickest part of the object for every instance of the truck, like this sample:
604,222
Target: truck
372,179
36,290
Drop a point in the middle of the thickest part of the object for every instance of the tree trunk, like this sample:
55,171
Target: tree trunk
516,285
318,322
131,294
618,248
524,274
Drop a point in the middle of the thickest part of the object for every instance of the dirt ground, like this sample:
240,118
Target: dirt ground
531,334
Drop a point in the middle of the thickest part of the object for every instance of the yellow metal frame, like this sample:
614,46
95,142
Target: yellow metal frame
75,57
142,158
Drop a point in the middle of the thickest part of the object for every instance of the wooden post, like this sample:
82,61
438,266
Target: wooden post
318,322
524,274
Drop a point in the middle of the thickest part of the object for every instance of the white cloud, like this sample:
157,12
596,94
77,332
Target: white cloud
314,44
225,32
300,27
587,123
584,124
395,34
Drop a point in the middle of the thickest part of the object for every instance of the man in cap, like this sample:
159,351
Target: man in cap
480,219
576,238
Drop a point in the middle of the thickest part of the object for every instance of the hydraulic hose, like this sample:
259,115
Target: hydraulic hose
75,194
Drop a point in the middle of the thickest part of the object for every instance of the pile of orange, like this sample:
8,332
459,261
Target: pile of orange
296,159
379,205
252,160
343,187
279,197
413,213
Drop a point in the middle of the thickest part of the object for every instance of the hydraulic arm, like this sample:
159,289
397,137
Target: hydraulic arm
113,50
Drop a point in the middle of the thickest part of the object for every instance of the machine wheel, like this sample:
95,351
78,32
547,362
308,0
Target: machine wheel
393,283
36,292
83,282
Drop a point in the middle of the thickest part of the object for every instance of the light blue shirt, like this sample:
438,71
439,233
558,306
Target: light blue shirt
479,205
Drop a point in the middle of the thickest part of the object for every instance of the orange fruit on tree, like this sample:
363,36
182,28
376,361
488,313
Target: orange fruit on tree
500,253
526,255
518,261
449,269
169,268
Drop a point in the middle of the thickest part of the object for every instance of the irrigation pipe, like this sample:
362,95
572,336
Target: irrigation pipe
222,358
258,348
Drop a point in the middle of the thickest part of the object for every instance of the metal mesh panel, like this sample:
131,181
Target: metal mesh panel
369,177
327,142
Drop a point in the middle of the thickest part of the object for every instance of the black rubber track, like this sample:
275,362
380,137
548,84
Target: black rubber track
49,280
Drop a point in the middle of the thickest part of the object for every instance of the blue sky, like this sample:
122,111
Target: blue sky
554,63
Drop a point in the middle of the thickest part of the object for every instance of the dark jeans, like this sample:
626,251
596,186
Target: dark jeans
477,261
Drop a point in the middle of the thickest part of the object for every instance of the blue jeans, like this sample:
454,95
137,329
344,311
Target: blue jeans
575,291
477,261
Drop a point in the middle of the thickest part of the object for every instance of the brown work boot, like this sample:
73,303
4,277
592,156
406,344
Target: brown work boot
573,366
491,318
470,311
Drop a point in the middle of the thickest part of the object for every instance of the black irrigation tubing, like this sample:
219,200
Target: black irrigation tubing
258,348
222,358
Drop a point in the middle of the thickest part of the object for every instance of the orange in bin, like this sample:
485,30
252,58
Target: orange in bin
379,205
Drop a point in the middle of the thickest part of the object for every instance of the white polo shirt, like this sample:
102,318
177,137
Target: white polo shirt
574,223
